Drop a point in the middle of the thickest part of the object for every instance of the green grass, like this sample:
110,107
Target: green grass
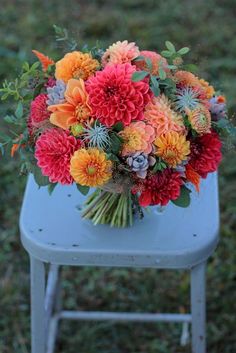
207,27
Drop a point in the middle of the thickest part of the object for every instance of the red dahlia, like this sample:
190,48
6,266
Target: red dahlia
114,97
160,188
38,110
205,154
53,151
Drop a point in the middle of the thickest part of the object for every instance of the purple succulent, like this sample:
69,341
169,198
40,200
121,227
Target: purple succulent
139,163
217,109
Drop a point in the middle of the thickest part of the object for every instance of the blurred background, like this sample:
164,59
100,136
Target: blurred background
209,29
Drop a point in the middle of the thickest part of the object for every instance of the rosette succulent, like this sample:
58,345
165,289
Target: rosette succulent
139,163
217,108
56,93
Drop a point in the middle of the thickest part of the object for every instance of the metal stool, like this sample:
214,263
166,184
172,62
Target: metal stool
53,232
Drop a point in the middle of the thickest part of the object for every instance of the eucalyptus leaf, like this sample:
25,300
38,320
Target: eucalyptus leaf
184,198
139,75
19,110
183,51
83,189
166,53
170,46
51,187
40,179
118,126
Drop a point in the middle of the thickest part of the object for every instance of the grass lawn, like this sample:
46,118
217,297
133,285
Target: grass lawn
208,28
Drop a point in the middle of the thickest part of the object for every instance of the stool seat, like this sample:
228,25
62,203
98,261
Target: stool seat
52,230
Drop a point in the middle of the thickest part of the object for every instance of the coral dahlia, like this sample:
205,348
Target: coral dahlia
173,148
160,188
76,65
38,111
137,137
53,151
205,153
75,109
90,167
157,61
114,97
120,53
158,113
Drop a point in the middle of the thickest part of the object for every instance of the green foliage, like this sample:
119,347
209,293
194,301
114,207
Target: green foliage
83,189
184,198
64,37
139,75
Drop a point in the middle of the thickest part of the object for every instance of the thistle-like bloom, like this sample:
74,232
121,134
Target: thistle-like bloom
137,137
200,119
56,93
173,148
193,177
90,167
96,135
76,65
159,114
75,109
187,98
120,53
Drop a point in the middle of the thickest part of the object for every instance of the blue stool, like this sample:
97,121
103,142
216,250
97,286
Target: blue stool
53,232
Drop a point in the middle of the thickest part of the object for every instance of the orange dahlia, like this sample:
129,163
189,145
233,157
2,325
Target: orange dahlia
76,65
76,108
161,117
90,167
138,137
187,78
156,59
120,53
172,147
200,119
209,90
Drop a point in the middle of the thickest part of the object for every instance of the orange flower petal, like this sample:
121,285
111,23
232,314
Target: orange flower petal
45,60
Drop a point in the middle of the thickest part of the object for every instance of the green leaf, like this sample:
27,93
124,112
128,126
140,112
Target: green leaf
166,53
155,86
2,148
139,58
170,46
10,119
162,74
149,63
183,51
184,198
19,110
118,126
116,143
83,189
112,157
139,75
51,187
40,179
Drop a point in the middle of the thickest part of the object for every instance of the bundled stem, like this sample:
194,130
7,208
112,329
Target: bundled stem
115,209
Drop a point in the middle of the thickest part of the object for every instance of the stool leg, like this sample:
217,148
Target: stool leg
38,332
198,308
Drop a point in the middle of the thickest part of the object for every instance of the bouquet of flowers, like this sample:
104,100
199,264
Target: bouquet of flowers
138,126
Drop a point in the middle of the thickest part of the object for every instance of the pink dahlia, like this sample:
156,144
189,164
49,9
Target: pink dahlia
38,110
120,53
205,154
53,151
160,188
114,97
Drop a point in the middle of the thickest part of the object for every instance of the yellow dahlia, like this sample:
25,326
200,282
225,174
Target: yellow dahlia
76,65
90,167
138,137
173,148
120,53
209,90
161,117
200,119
